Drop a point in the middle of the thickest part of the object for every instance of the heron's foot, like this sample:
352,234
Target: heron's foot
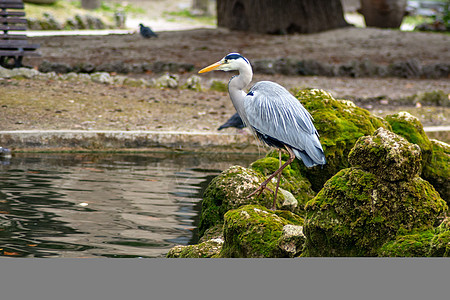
259,190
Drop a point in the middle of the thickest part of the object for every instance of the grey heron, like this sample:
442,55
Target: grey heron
273,115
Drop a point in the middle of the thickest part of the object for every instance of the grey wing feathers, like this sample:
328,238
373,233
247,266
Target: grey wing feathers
273,111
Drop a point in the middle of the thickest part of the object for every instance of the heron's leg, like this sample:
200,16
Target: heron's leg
274,205
261,188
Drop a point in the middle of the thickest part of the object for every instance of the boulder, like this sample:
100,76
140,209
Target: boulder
229,191
388,156
253,231
435,154
339,123
359,209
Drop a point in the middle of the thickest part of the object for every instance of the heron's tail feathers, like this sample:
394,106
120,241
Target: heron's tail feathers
311,157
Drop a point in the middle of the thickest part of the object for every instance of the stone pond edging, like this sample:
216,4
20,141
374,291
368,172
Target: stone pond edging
111,140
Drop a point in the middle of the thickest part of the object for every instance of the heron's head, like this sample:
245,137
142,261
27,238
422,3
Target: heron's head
231,62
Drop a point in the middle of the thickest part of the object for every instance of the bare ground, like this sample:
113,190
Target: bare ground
37,104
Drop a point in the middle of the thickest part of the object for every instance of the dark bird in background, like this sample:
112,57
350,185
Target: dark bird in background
234,121
146,32
273,115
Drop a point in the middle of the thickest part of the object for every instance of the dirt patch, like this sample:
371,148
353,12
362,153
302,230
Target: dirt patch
201,46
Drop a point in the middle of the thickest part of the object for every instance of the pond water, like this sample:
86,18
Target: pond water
104,205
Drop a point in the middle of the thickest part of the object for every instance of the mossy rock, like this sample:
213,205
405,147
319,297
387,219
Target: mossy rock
413,244
230,190
339,123
291,178
409,127
426,243
356,213
253,231
437,171
193,83
386,155
207,249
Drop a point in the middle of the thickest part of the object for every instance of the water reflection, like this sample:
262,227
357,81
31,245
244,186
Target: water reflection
111,205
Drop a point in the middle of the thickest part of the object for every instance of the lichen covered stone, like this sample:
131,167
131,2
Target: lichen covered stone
207,249
292,240
386,155
340,123
253,231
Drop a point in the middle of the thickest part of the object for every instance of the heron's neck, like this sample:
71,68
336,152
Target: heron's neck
240,82
237,85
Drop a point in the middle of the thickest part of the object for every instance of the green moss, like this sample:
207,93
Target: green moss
219,86
340,123
440,243
437,171
254,231
356,213
415,244
420,243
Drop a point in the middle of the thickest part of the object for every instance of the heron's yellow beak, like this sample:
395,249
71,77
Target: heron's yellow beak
211,67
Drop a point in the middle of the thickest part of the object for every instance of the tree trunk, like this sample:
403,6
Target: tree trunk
383,13
200,7
280,17
90,4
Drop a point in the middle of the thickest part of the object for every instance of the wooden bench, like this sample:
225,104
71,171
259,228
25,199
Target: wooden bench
13,47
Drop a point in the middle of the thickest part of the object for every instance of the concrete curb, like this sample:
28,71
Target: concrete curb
108,140
140,140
